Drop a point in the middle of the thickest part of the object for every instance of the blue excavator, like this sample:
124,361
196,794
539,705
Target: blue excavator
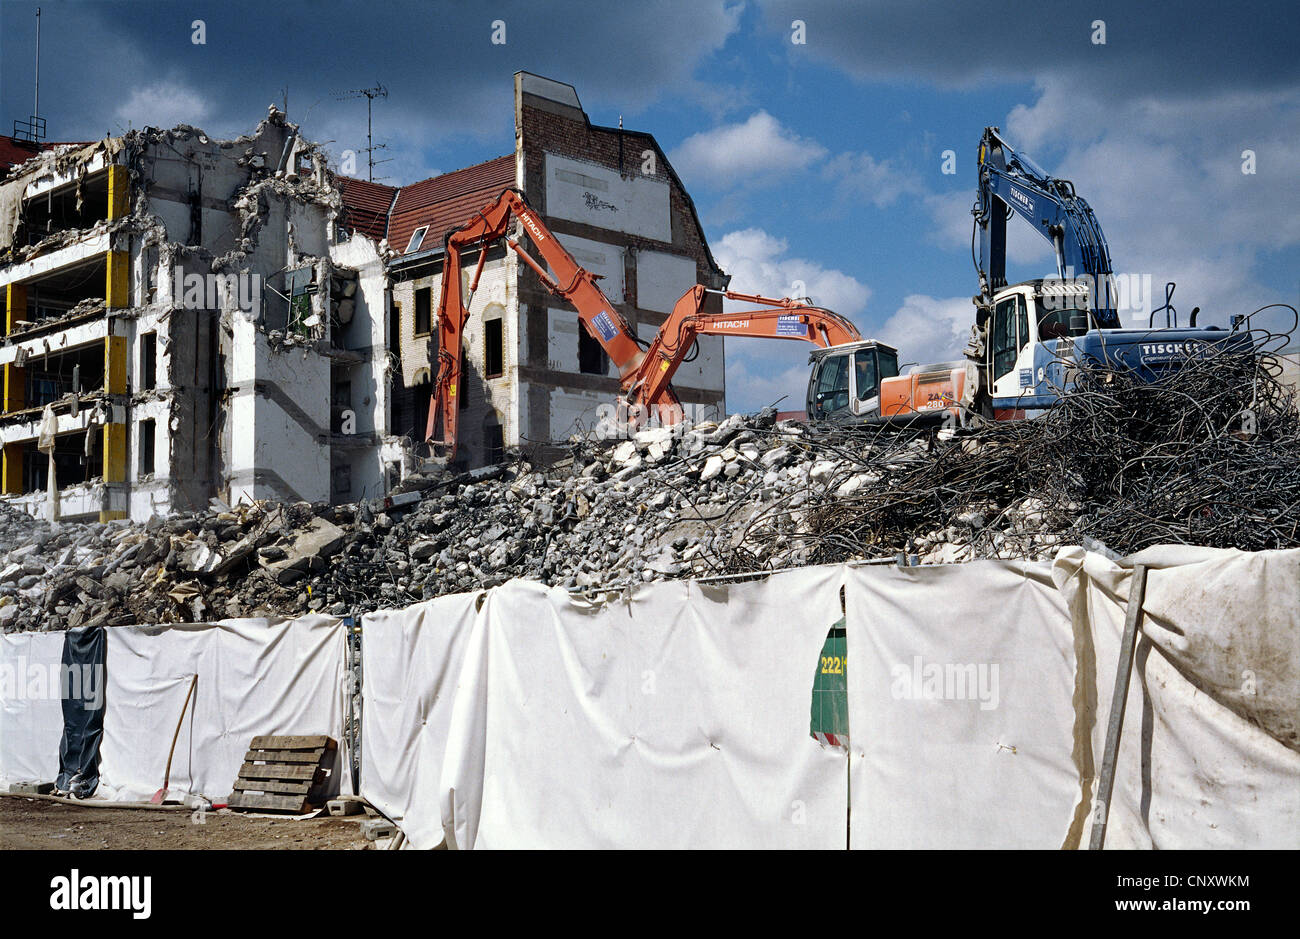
1029,337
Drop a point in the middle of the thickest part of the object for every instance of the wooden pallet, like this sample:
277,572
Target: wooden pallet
279,774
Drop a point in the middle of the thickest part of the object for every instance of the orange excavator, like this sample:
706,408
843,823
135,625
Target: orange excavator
645,370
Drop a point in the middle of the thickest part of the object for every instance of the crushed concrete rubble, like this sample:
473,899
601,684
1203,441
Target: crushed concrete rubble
1123,464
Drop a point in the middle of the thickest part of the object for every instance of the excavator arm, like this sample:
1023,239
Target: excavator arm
1011,182
569,282
781,319
645,373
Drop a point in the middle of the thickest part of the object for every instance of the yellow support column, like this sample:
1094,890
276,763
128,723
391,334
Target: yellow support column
117,286
115,365
114,463
15,390
119,199
114,453
15,306
114,434
12,473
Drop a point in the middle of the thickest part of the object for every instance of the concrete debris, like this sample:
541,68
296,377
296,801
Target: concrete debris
746,494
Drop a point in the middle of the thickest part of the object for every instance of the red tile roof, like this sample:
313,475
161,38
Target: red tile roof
14,151
446,201
366,206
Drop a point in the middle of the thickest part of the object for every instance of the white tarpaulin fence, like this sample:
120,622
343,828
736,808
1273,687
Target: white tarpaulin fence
960,706
1209,756
31,710
255,677
416,655
674,716
678,714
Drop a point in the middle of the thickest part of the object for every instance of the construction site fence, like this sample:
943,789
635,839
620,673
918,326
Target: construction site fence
976,700
254,677
951,706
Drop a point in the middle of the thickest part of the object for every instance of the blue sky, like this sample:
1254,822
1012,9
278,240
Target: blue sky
816,162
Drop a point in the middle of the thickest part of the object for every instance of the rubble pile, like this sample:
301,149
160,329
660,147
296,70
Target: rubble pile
1209,457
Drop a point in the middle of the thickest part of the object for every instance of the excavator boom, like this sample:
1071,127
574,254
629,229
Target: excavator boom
567,280
645,373
778,319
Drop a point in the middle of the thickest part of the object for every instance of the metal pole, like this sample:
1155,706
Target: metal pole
1118,703
36,105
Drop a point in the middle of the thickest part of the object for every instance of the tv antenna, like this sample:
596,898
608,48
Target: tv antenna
33,129
370,94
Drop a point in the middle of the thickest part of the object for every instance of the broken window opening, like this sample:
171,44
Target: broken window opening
148,361
342,479
78,458
50,377
340,401
494,353
301,286
79,288
591,354
148,429
420,394
395,327
494,442
58,211
196,214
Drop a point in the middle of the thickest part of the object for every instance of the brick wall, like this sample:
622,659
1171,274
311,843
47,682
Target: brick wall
543,128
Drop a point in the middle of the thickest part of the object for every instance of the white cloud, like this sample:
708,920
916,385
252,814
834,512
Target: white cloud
953,222
773,378
929,329
760,150
861,177
759,264
164,103
1165,179
760,372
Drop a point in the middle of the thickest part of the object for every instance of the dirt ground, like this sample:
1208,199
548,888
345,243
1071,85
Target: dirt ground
35,824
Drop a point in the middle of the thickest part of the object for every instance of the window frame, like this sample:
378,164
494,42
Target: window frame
488,371
415,313
149,360
417,239
147,457
1006,320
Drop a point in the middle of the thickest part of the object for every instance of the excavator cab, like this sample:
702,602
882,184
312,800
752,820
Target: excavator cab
845,380
1029,329
1036,332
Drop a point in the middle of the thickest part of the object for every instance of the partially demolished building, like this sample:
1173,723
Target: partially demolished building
533,374
175,329
188,318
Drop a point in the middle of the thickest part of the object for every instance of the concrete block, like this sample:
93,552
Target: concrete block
319,540
376,828
343,807
31,788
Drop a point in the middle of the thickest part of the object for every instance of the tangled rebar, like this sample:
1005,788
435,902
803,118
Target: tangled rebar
1208,455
